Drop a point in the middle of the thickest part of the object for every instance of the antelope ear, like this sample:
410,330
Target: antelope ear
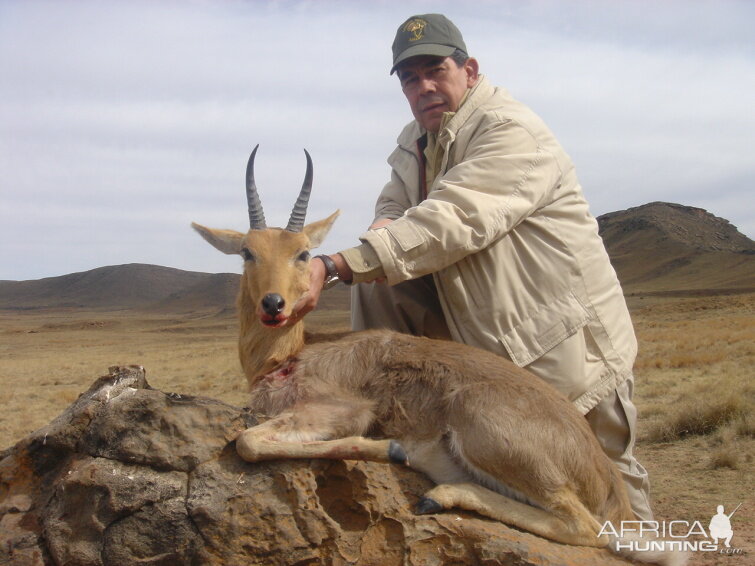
227,241
316,231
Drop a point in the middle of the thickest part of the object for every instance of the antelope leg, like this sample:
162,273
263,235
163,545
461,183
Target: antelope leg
565,519
255,447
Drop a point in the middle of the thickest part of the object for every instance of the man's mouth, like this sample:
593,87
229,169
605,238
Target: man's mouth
433,106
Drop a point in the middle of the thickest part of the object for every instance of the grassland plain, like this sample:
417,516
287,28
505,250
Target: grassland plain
695,389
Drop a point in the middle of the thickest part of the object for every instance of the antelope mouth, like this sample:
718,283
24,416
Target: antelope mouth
273,321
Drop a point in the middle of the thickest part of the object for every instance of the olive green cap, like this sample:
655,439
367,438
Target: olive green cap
427,34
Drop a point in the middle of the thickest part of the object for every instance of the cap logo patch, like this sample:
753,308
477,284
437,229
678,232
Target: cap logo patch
416,27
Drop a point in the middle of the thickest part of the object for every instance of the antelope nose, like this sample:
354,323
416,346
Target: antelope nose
273,304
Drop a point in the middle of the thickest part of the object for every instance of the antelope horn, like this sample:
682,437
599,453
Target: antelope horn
256,215
296,222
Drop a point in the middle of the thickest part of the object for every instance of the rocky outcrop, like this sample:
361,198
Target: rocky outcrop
670,248
132,475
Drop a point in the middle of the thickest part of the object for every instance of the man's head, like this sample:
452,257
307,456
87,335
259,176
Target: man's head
433,67
428,34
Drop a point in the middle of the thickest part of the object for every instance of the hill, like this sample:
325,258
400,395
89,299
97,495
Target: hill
212,291
130,286
658,247
666,247
141,287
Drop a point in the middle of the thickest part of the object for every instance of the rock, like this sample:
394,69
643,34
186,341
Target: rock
131,475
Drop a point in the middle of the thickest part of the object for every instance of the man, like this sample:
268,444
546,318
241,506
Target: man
483,236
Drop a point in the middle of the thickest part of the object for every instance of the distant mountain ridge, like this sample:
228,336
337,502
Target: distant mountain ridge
657,247
129,286
141,287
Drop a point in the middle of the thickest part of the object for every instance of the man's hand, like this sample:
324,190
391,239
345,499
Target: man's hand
308,301
317,274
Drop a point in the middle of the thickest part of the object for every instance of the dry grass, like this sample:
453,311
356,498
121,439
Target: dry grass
694,386
696,396
47,358
695,365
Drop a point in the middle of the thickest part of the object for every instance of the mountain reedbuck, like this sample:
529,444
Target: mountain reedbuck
493,437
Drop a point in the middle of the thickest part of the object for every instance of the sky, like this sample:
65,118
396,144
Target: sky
123,122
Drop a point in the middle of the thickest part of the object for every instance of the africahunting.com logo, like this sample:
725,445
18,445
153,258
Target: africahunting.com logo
676,536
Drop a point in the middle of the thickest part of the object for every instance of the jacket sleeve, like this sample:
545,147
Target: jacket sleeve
503,177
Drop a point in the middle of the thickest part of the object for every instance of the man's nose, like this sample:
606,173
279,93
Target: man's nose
426,85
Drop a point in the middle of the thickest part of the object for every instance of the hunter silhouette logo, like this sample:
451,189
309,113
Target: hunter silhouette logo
720,526
417,28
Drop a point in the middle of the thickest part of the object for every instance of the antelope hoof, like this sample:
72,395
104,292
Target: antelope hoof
397,454
426,505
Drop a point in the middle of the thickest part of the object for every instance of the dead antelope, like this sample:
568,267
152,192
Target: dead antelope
493,437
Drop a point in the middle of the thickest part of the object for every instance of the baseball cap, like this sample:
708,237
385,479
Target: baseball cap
427,34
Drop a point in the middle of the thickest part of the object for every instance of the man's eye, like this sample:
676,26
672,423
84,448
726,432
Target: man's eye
247,255
408,81
304,256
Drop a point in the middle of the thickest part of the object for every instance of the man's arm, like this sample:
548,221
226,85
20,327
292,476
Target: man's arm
504,176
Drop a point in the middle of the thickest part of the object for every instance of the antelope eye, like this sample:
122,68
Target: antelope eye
304,256
247,255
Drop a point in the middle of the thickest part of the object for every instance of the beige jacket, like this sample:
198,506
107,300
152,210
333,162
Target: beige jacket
514,251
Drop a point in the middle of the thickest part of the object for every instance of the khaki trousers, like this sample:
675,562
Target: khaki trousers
412,307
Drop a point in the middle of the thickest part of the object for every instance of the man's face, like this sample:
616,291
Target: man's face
434,85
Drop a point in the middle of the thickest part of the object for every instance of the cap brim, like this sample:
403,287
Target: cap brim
423,49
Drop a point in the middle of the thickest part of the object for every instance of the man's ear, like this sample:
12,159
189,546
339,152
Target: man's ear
227,241
472,68
316,231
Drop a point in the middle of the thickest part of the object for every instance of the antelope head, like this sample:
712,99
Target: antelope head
276,261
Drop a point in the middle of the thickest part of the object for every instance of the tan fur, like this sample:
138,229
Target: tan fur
496,439
463,415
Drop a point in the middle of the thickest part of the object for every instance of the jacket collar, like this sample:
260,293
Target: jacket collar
478,94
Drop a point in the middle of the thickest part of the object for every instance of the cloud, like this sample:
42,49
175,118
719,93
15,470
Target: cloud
123,122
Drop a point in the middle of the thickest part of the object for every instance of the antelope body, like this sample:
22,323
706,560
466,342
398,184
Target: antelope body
493,437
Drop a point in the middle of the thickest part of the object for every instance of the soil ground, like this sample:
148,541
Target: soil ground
695,353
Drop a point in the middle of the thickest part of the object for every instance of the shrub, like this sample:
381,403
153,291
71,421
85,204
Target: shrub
698,416
726,456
